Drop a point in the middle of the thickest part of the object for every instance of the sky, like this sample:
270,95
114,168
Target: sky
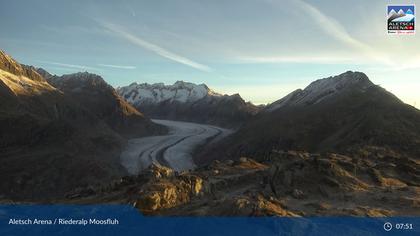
261,49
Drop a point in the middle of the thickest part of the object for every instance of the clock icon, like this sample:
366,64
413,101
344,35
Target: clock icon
387,226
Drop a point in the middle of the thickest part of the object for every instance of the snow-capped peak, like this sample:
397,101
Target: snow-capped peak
180,91
401,12
323,88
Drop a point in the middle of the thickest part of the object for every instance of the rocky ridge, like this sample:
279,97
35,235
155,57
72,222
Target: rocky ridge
339,114
323,89
92,92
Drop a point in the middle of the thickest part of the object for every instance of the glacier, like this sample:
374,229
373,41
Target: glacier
174,149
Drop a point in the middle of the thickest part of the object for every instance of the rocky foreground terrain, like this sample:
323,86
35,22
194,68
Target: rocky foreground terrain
375,182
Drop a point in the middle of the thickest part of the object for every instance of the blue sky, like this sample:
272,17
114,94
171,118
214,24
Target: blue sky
262,49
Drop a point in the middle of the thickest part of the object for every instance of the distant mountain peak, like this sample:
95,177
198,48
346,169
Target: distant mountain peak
183,83
45,74
340,82
323,88
82,75
79,79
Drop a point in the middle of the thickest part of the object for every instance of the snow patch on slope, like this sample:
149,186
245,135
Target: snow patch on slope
321,89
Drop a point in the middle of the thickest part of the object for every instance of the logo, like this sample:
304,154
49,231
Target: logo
401,19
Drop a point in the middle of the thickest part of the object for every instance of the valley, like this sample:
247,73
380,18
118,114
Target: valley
174,149
340,146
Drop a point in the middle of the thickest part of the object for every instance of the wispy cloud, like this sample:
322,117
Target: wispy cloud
153,47
118,66
409,64
333,28
329,25
81,67
71,29
59,68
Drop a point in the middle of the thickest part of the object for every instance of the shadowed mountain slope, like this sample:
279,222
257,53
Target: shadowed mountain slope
51,142
343,114
92,92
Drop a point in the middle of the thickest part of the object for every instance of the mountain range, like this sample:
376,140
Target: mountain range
188,102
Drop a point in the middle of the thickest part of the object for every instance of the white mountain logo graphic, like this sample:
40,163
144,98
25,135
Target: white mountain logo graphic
401,19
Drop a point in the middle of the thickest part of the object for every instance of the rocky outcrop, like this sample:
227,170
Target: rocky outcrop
168,193
251,206
165,189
